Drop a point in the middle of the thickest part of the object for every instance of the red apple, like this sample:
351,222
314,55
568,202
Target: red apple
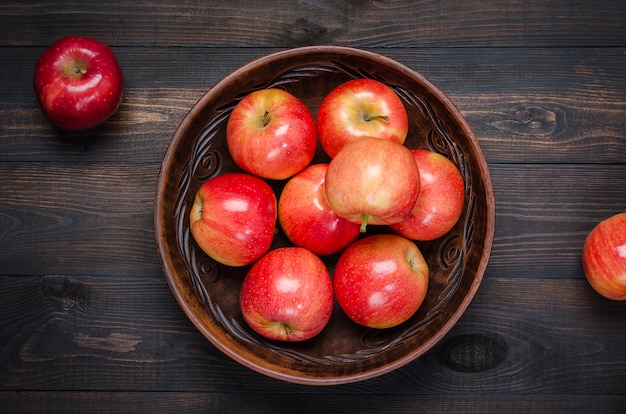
380,281
271,134
440,201
360,107
78,83
307,219
287,295
604,257
373,181
233,218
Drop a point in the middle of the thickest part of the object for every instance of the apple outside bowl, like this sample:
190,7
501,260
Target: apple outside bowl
343,352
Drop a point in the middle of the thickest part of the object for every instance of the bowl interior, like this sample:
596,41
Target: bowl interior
344,352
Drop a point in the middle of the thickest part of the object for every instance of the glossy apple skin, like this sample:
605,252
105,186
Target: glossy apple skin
373,181
381,280
604,257
360,107
78,82
287,295
271,134
440,201
307,219
233,218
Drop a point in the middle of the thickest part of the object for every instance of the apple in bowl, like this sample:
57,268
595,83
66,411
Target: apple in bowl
307,219
287,295
357,108
233,218
270,133
373,181
381,280
440,201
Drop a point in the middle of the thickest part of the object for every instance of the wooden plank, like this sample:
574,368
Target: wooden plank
511,23
580,71
121,333
531,121
138,133
544,213
525,127
78,218
271,403
88,321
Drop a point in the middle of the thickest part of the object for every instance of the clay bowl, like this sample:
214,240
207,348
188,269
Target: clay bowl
344,352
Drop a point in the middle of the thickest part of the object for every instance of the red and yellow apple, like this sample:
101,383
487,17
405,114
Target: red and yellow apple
233,218
373,181
360,107
270,133
78,83
287,295
440,201
604,257
307,219
381,280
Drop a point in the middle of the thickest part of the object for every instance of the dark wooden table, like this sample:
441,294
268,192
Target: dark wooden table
87,321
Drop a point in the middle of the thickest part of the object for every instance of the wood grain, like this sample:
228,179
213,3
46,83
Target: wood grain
287,23
109,333
87,321
305,402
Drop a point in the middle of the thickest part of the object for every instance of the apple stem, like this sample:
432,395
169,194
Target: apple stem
363,227
376,118
288,329
76,69
266,118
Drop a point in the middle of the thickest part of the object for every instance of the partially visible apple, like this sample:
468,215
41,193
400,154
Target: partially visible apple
380,281
373,181
360,107
440,201
271,133
233,218
287,295
604,257
78,83
307,219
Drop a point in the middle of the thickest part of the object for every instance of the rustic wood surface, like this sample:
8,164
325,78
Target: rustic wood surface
87,321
